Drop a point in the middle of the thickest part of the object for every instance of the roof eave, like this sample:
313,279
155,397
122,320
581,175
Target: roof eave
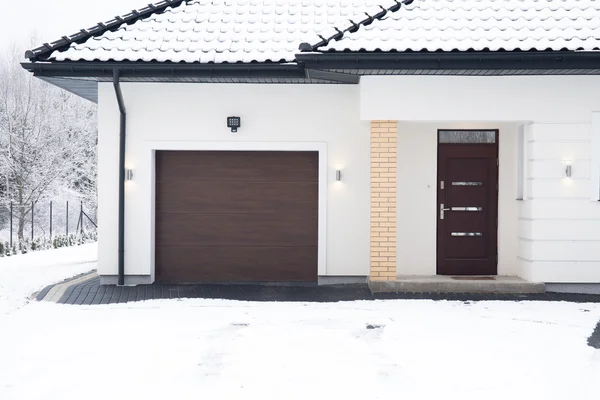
572,60
86,69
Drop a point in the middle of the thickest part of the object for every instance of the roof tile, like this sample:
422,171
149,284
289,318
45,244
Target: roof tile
447,25
272,30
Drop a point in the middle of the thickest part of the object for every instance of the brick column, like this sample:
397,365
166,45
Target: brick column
384,142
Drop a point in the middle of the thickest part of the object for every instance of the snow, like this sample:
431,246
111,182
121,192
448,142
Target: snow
481,24
229,350
218,349
23,275
260,30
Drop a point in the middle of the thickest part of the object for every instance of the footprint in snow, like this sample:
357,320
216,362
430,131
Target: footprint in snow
214,358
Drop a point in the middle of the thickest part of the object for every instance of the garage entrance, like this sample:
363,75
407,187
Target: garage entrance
236,216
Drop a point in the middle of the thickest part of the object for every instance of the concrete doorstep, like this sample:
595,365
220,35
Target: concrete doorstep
448,284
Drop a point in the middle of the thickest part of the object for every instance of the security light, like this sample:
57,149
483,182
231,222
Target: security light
234,123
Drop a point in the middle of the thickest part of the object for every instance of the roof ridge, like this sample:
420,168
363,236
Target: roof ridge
44,51
354,26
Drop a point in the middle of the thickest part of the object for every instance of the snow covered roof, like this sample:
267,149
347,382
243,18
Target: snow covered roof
229,31
216,31
479,25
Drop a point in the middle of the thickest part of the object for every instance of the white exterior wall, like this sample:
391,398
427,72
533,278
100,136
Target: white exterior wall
193,116
559,219
560,225
547,99
552,235
417,196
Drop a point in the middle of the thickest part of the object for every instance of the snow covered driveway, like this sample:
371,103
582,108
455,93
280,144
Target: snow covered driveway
216,349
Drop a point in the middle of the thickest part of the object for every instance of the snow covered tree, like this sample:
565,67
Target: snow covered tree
47,141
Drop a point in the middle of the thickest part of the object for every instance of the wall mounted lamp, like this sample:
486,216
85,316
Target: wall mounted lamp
234,123
338,175
128,174
568,171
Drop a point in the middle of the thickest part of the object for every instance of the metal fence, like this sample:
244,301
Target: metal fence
45,220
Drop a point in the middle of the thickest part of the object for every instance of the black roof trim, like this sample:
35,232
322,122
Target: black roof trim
469,50
452,60
557,60
354,26
43,52
87,69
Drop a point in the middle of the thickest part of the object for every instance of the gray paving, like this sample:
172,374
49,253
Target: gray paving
87,290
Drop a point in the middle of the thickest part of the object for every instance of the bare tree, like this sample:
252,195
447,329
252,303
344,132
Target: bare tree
47,140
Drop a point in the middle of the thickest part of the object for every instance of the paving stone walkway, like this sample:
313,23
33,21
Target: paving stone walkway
86,290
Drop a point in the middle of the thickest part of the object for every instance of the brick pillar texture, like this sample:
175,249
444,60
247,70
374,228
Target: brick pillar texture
384,142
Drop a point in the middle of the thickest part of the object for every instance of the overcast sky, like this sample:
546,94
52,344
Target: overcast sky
51,19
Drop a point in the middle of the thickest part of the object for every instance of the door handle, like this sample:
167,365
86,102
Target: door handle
442,209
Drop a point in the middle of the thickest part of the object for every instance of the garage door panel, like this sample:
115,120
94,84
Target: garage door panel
226,197
224,166
236,230
236,216
246,264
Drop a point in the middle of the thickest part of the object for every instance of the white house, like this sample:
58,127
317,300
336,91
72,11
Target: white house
378,139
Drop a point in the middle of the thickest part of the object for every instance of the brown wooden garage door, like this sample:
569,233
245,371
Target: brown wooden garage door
236,216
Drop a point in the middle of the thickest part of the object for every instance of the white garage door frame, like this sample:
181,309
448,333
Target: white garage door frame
152,147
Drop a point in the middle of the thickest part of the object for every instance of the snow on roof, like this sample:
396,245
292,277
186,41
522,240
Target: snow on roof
271,30
219,31
449,25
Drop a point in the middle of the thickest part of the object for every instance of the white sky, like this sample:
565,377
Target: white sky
51,19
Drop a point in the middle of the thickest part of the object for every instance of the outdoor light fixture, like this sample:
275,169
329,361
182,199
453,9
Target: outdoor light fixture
234,123
338,175
568,171
128,174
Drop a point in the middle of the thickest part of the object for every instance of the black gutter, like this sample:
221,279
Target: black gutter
85,69
123,132
482,60
514,60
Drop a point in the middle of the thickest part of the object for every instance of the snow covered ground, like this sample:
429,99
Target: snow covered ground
213,349
22,275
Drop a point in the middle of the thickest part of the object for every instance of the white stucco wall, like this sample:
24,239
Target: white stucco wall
559,218
551,235
549,99
194,116
417,196
560,225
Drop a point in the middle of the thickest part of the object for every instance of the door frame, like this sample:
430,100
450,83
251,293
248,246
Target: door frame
151,147
438,190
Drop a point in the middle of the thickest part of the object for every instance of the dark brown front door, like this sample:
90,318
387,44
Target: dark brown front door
236,217
467,202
